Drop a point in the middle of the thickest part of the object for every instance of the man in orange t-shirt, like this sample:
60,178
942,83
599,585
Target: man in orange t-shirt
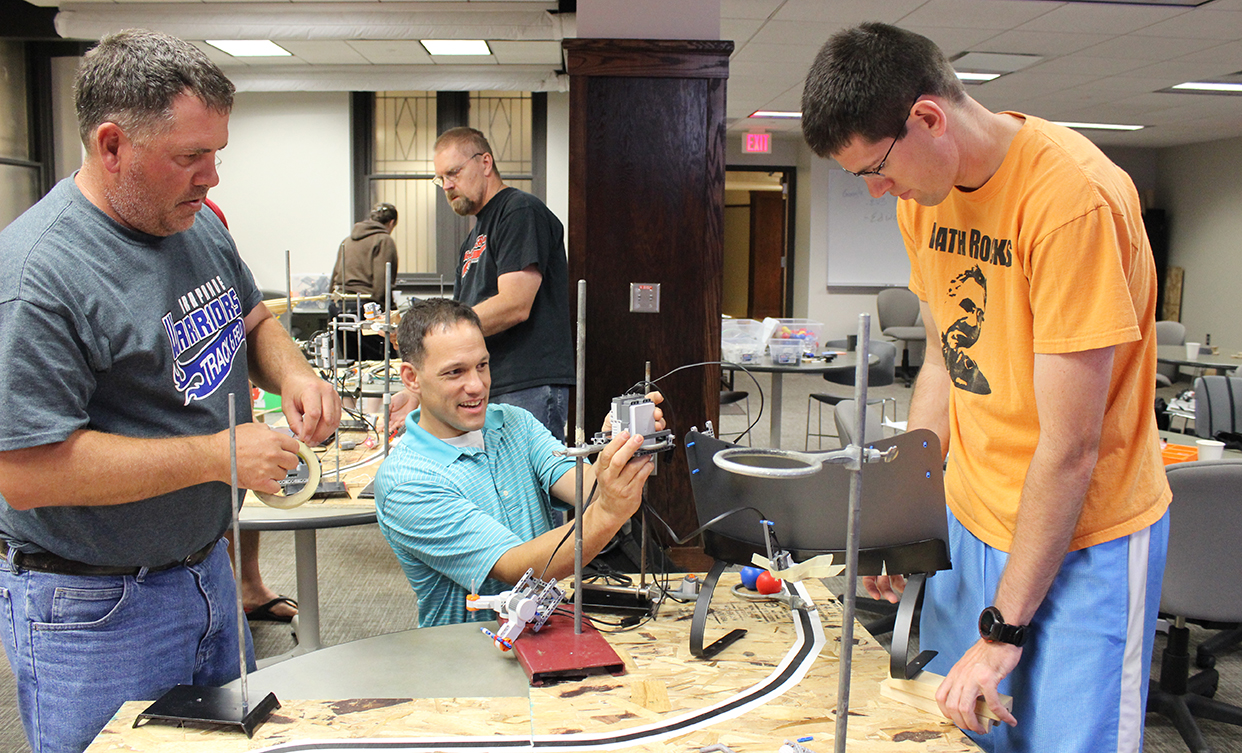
1034,273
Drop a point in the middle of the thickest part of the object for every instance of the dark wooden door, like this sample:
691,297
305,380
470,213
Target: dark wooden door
767,254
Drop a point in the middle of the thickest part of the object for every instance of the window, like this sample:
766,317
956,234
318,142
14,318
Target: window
20,177
398,164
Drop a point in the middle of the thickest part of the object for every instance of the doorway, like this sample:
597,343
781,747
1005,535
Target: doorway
758,240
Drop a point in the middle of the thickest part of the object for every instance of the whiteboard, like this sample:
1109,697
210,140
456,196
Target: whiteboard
864,243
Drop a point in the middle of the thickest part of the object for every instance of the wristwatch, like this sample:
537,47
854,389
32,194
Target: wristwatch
992,628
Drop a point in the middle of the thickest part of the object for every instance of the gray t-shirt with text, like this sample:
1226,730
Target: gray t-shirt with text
108,329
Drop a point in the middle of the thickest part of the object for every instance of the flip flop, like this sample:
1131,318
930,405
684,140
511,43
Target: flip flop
264,611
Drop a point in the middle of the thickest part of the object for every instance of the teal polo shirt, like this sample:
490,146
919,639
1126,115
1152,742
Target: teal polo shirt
449,513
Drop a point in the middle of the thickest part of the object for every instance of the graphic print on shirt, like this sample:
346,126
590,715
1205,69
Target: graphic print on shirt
473,255
205,339
969,292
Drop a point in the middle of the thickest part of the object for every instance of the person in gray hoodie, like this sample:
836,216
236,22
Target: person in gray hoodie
363,255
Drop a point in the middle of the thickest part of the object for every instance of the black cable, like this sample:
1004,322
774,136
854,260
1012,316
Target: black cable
585,504
706,525
758,388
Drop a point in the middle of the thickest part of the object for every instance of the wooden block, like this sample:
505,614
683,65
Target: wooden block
921,694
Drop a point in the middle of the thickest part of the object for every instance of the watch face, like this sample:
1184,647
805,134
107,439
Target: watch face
989,621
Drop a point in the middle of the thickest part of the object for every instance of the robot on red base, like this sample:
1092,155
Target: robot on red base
530,602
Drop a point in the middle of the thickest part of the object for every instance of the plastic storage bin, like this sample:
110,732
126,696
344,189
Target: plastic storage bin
787,351
807,330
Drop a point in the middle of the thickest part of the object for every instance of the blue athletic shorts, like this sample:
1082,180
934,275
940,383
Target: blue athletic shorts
1082,682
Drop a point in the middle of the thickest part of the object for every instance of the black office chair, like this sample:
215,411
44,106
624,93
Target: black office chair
879,374
903,528
1203,531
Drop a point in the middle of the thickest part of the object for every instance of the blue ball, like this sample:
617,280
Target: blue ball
749,576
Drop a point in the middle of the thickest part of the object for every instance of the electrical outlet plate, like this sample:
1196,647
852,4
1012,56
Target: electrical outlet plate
645,297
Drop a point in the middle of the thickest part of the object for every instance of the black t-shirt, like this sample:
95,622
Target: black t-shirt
515,230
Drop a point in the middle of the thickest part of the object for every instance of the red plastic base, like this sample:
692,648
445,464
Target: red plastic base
555,653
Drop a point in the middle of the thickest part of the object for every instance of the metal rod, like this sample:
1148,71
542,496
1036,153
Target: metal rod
387,351
579,440
288,294
642,558
241,610
852,528
358,360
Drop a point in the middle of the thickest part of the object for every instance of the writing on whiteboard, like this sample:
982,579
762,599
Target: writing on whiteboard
865,248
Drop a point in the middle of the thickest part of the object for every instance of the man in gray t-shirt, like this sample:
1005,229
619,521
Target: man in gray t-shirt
126,319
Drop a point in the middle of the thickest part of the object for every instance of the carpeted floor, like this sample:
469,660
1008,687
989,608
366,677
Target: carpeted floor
363,592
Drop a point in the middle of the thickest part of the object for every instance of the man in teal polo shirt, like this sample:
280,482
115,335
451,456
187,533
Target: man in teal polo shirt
465,499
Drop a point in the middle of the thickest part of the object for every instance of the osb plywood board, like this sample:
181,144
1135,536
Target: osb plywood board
662,682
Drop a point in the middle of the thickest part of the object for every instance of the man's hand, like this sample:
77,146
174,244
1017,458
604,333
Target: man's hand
621,477
264,456
885,587
403,403
976,674
312,408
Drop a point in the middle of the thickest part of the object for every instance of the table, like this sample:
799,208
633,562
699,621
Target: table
843,362
1189,440
1176,354
663,685
304,521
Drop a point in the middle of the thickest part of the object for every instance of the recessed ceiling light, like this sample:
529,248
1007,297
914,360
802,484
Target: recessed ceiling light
774,114
456,46
979,78
1209,86
1000,62
1098,126
250,48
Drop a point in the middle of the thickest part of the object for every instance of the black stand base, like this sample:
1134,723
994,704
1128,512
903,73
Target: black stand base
699,623
189,703
328,489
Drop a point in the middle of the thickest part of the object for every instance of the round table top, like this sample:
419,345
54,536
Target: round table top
420,663
1176,354
841,362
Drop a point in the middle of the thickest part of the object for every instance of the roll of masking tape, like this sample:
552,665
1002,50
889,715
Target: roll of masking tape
289,501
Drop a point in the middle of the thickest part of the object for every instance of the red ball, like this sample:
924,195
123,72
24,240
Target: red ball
766,583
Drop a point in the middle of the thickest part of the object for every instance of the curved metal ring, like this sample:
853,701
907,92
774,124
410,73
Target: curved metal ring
725,460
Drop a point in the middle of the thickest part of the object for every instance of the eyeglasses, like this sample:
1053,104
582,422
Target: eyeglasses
452,174
877,170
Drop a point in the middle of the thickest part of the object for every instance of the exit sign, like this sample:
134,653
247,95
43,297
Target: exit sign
757,143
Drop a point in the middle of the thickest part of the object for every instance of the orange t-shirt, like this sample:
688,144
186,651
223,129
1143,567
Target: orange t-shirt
1049,256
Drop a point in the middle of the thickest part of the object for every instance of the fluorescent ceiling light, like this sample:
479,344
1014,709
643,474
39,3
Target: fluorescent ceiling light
1098,126
1000,62
250,48
1209,86
976,77
456,46
774,114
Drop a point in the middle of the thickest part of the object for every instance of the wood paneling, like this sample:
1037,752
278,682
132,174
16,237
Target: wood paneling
647,205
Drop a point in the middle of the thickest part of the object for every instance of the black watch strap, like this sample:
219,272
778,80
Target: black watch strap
993,629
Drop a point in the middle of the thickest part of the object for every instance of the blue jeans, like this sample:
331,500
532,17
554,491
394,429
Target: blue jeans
81,645
548,403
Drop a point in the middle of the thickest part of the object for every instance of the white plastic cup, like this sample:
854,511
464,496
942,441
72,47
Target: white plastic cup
1210,449
1192,351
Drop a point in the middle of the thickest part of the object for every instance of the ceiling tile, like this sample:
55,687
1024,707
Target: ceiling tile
740,30
845,12
977,14
1048,43
796,33
1103,18
1201,23
324,52
526,53
1142,46
952,40
1088,65
748,8
391,51
790,54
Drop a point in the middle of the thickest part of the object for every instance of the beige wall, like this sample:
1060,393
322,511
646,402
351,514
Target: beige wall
736,253
1201,188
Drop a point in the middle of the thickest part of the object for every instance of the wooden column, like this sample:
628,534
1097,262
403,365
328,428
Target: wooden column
646,204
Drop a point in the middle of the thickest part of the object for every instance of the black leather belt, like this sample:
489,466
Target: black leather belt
46,562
